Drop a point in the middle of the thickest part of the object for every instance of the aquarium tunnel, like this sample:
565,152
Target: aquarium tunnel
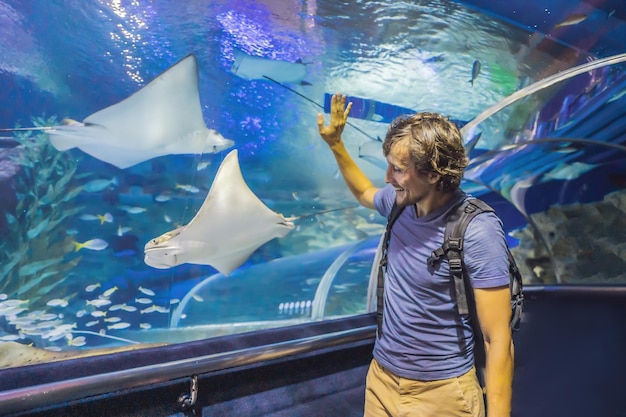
175,238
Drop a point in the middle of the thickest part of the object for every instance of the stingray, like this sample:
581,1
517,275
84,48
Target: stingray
258,68
162,118
230,225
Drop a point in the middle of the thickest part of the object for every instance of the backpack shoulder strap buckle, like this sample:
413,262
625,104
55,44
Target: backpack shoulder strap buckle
435,257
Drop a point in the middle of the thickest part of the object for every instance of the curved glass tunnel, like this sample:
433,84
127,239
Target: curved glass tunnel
118,273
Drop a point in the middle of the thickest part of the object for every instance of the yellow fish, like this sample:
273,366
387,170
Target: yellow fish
110,291
572,19
92,244
106,217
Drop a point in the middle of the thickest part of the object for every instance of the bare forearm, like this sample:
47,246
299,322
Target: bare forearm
355,179
357,182
499,378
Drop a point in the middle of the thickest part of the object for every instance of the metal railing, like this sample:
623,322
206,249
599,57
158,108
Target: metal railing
38,396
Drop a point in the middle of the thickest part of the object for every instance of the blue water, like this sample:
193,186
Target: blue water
69,59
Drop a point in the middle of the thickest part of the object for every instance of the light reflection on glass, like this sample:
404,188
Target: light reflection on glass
130,29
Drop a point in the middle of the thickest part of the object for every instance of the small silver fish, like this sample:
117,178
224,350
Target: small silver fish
112,319
57,302
12,303
162,198
47,317
122,230
146,291
88,217
77,341
202,165
118,326
94,186
132,210
99,302
155,309
189,188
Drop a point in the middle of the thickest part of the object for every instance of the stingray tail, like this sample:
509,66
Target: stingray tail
306,216
314,102
57,134
67,136
26,129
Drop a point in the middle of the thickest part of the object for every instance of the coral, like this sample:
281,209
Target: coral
578,243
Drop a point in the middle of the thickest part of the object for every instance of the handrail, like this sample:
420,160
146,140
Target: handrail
36,396
23,399
576,289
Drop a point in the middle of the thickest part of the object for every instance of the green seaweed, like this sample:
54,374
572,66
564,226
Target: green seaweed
36,254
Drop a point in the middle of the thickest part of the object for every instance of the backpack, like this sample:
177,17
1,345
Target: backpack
452,248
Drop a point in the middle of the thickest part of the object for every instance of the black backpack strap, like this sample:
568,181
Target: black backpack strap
452,247
517,294
382,266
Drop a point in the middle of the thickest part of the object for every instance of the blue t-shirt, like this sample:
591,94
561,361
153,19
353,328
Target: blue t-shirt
423,336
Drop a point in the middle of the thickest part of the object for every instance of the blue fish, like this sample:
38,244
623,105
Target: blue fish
434,59
475,71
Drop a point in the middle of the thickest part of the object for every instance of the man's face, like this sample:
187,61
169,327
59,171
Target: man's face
411,185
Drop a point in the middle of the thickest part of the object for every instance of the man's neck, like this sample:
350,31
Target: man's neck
433,202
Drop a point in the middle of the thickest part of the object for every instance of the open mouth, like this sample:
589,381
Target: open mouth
155,262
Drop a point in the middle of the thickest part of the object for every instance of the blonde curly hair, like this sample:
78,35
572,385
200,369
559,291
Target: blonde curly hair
434,144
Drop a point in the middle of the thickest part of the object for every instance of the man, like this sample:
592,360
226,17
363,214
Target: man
423,360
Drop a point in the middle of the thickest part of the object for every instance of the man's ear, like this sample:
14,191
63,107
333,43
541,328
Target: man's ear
433,177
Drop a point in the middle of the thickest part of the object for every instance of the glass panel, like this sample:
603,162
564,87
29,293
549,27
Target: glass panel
165,92
564,170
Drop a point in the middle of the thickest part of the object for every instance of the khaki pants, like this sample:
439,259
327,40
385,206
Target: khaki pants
387,395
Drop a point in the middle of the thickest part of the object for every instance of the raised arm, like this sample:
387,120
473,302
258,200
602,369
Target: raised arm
357,182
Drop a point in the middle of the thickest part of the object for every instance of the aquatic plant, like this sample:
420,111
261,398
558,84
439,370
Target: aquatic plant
33,262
